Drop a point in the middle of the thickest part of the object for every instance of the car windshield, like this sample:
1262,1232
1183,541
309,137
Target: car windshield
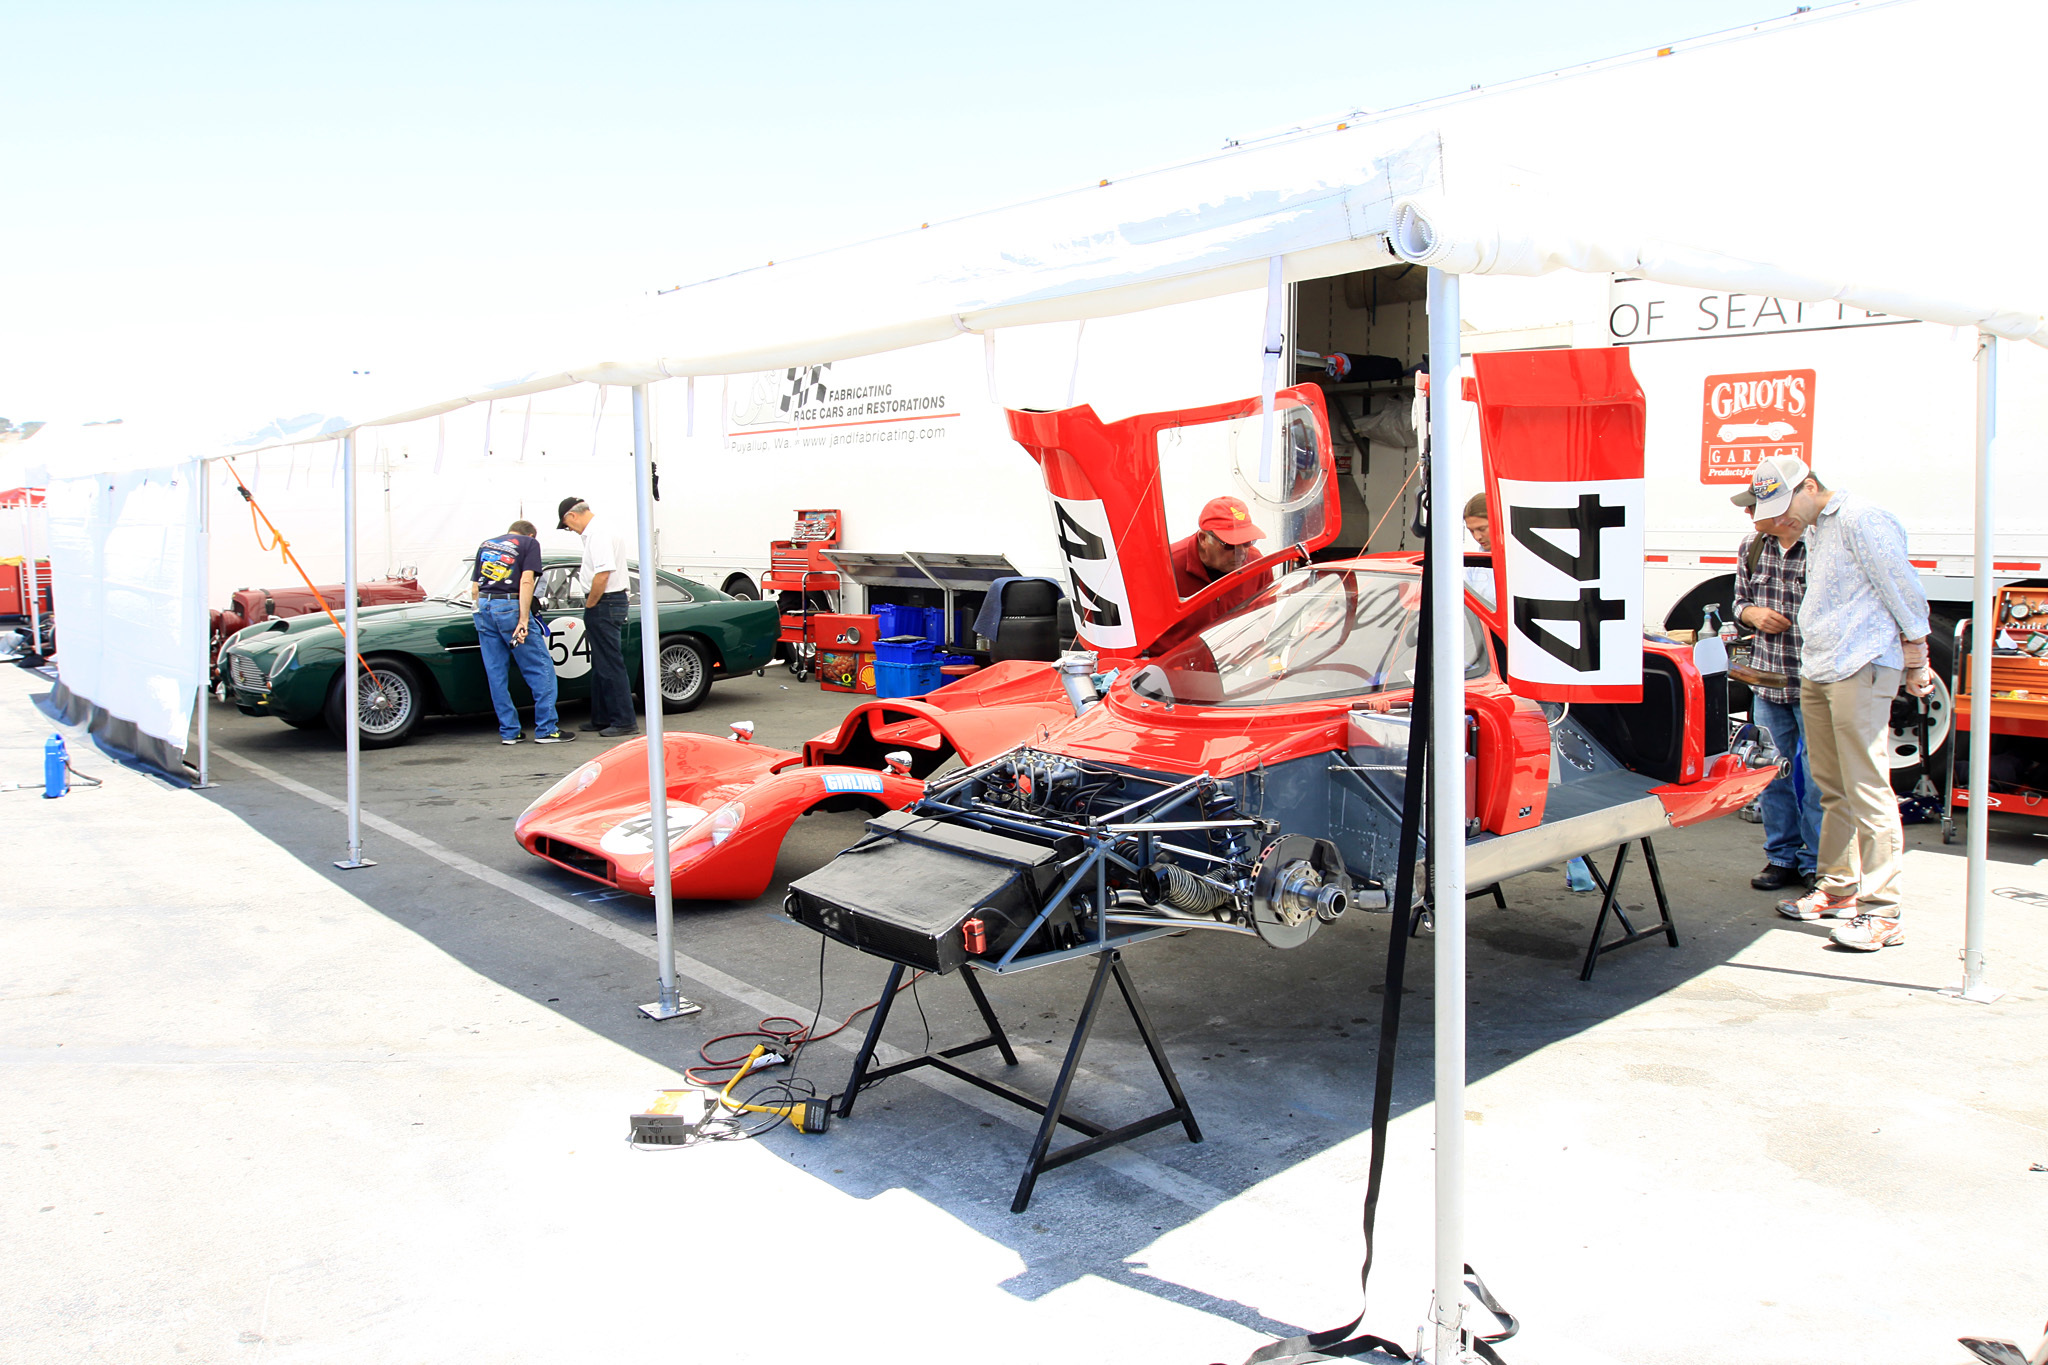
458,581
1315,635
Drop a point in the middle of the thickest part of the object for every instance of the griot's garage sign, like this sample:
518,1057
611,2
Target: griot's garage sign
1747,418
1561,433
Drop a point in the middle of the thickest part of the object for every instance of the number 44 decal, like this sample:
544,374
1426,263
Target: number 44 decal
1582,565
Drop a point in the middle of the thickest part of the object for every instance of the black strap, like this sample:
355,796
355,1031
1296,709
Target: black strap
1337,1342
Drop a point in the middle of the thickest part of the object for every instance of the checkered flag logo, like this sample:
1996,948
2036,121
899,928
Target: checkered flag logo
806,384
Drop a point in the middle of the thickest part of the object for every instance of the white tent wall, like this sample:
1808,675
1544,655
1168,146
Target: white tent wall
124,563
952,483
447,491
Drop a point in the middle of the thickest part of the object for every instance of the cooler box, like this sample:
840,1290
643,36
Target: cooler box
846,670
832,630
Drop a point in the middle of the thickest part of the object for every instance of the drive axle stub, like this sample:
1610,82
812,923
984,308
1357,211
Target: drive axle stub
1299,884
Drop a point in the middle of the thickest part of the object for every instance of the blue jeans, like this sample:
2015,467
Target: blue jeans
1790,805
496,619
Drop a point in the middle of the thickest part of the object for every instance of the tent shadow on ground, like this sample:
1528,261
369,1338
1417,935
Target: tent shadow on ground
1275,1049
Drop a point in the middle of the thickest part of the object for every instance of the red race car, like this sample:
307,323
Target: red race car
731,801
1264,714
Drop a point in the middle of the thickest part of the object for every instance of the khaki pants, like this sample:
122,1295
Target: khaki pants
1847,726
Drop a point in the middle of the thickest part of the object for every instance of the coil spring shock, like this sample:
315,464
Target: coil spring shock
1181,889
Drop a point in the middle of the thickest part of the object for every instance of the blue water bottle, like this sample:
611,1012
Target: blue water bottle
1578,876
53,767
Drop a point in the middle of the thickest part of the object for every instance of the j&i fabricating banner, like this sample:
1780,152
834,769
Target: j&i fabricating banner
1561,433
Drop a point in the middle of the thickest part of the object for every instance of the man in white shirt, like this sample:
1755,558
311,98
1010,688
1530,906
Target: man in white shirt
604,619
1863,632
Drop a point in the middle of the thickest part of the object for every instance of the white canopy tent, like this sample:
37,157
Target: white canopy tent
1854,153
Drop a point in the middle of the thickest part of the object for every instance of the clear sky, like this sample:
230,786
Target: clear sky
220,212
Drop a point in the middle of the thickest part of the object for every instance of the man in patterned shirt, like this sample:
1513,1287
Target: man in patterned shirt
1863,627
1770,580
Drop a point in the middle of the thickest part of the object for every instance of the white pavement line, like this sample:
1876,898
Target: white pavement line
1186,1189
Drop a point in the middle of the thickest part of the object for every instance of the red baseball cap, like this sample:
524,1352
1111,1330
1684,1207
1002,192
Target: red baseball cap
1230,521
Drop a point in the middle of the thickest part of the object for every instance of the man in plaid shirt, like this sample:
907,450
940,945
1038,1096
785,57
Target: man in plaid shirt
1770,581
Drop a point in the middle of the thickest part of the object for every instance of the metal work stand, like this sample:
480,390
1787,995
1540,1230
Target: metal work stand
1610,886
1043,1158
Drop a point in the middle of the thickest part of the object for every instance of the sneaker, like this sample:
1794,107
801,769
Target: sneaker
1818,904
619,731
1776,878
1868,933
511,739
554,736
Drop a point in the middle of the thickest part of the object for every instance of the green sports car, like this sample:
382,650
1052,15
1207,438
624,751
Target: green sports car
423,656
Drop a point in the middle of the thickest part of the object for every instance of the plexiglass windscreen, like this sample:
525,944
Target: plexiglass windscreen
1219,459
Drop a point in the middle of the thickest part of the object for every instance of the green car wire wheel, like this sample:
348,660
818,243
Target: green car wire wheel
388,704
685,674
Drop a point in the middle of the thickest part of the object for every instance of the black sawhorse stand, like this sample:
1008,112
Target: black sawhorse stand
1610,886
1109,965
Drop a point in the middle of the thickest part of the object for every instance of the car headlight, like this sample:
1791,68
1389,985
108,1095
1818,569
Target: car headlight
282,661
708,833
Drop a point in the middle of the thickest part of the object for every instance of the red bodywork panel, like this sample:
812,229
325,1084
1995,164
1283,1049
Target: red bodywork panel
253,606
1111,514
1557,417
593,821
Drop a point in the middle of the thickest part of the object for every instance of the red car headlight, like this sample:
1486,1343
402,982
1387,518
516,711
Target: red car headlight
576,781
713,830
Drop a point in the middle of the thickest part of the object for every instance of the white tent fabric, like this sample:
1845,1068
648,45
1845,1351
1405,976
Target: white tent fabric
1811,157
124,557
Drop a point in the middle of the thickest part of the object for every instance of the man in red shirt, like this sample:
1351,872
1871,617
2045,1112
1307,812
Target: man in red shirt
1221,546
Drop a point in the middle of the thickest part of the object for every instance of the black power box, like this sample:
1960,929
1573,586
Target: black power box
904,893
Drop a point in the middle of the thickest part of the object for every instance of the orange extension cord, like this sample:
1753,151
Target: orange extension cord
258,521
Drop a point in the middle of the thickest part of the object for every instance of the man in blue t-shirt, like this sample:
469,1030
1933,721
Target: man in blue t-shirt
501,586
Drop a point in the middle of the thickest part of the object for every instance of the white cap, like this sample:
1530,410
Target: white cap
1774,482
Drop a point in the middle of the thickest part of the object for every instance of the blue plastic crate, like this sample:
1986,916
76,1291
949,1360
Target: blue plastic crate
906,680
906,650
935,625
891,619
955,659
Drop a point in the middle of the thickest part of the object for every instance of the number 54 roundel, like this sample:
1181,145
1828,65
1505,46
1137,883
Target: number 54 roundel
1561,435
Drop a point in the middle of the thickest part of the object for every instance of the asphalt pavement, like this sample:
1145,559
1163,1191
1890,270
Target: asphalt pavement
1752,1139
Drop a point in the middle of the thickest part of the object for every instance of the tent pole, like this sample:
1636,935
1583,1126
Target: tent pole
1275,345
671,1005
1447,810
351,671
32,577
1983,634
206,634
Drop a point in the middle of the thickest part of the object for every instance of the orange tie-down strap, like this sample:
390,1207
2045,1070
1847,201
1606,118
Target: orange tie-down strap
259,521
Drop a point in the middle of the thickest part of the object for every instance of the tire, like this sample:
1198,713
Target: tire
1904,740
742,587
685,674
391,706
1685,612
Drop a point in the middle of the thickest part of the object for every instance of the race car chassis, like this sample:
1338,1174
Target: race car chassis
1052,1110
